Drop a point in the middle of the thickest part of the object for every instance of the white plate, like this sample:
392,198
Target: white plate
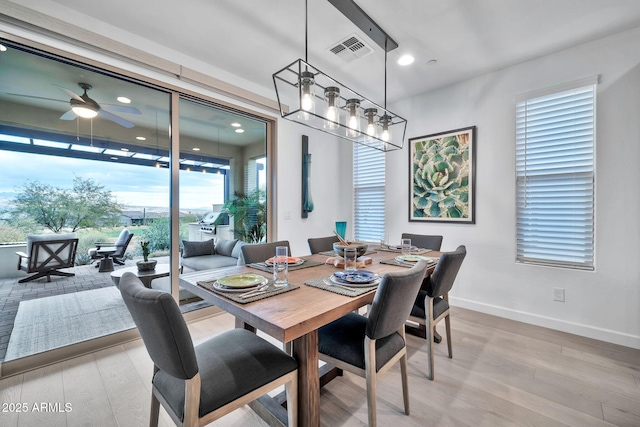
239,290
353,285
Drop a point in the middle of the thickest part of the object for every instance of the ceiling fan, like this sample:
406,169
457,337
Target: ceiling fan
85,107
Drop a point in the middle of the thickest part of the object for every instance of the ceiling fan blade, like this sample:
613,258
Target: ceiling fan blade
114,108
70,93
69,115
37,97
116,119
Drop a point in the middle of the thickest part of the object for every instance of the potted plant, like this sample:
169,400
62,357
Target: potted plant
146,265
249,213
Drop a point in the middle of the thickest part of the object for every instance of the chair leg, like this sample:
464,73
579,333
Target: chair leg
429,331
155,411
370,373
447,322
404,375
291,390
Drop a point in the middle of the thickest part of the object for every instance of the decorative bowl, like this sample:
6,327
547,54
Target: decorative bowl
361,248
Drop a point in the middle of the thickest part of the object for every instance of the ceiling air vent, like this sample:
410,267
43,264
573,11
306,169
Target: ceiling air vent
350,48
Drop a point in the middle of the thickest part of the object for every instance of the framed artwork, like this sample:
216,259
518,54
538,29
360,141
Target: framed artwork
442,182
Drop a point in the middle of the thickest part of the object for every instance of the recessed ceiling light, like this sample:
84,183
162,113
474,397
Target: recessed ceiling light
406,60
236,125
432,62
239,130
196,149
141,138
124,100
3,48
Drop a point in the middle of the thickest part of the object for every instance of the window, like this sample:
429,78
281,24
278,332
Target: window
555,138
368,193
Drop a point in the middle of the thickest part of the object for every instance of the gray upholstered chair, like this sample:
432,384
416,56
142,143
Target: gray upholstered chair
47,254
432,303
260,252
322,244
120,247
424,241
199,385
369,346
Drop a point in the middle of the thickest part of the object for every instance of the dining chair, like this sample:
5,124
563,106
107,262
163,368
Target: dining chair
425,241
432,303
260,252
322,244
197,385
368,346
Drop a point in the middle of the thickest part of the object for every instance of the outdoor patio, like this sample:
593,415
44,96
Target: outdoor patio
86,278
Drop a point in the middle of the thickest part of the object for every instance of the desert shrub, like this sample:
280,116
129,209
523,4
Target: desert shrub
87,240
16,229
157,234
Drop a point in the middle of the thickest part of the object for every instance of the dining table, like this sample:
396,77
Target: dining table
295,317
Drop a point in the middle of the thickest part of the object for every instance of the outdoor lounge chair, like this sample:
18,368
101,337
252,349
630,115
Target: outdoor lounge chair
46,254
119,246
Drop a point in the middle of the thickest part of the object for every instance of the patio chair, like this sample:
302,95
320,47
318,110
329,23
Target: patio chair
46,254
197,385
120,247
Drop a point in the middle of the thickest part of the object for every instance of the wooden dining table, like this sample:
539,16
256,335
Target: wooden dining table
295,317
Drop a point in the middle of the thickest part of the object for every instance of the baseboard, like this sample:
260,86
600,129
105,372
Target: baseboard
601,334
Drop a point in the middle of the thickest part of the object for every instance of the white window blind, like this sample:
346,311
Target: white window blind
368,193
555,178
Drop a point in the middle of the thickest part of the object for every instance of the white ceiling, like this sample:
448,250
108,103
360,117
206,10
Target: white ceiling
254,39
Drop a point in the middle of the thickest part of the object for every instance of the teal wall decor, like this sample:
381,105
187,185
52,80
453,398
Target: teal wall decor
307,201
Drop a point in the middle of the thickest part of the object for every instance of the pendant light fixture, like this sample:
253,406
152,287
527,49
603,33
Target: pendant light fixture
310,97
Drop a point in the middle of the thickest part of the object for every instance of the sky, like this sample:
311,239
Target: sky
133,185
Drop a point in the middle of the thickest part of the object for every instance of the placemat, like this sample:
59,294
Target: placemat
269,268
393,261
319,282
271,291
332,253
418,251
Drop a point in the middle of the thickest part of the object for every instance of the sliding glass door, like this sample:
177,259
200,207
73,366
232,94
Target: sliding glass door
88,151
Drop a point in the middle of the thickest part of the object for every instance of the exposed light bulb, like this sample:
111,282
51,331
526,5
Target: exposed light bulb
332,114
307,95
386,131
353,120
370,114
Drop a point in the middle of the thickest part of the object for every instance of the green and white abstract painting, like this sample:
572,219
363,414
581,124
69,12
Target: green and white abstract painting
442,180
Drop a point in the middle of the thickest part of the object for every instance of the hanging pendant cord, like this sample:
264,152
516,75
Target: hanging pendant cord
385,74
306,31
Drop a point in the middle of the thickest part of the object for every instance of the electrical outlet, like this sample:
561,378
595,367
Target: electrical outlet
286,215
558,294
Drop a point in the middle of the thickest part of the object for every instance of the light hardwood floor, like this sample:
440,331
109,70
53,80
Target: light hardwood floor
502,373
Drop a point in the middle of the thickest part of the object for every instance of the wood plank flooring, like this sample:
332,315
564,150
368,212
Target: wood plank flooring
503,373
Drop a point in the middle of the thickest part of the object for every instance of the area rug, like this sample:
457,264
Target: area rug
47,323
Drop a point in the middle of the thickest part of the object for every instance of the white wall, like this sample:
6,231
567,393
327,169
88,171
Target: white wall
331,182
604,304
